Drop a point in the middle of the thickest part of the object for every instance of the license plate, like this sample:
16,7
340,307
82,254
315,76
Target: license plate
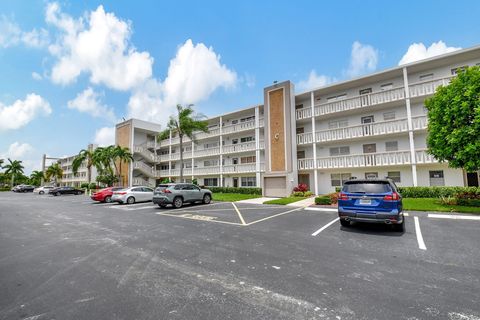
365,201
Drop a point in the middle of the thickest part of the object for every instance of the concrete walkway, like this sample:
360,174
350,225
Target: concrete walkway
256,200
303,203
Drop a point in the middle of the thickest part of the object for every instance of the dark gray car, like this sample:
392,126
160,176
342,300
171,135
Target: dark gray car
177,194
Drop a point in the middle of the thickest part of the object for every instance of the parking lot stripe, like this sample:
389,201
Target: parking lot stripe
192,218
275,215
421,243
455,217
239,214
325,227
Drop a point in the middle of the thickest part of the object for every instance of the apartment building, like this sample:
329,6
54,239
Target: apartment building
369,127
75,180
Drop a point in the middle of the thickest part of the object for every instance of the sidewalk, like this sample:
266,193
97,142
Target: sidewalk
303,203
256,200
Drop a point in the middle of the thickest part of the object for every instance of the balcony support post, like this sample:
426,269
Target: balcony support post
257,148
193,160
314,145
170,156
221,151
410,128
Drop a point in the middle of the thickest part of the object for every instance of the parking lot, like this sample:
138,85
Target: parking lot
69,258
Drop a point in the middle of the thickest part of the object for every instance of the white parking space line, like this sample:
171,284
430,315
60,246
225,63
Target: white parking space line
273,216
325,227
454,217
421,243
239,214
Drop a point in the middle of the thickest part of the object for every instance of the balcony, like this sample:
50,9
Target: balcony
214,170
241,147
141,182
363,130
393,158
418,89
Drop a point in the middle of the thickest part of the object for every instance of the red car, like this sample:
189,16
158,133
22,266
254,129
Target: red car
105,195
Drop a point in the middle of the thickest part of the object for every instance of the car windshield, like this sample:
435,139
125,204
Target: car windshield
367,187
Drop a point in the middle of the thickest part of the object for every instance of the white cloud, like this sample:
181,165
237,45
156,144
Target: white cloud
17,150
105,136
24,152
418,51
36,76
193,75
363,59
12,35
313,81
99,45
21,112
89,102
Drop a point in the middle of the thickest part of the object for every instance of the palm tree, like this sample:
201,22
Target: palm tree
1,163
121,154
184,124
14,168
84,155
54,171
36,177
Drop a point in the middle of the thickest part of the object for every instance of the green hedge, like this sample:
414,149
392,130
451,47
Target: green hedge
5,188
434,192
323,200
257,191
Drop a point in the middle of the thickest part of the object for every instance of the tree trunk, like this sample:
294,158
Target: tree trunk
181,157
89,175
13,179
120,177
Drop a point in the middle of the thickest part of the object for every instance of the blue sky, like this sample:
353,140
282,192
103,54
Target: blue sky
71,69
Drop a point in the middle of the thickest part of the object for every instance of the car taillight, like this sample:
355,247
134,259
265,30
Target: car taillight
392,197
167,191
343,196
121,192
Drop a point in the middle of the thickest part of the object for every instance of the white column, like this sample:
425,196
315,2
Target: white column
410,128
220,148
257,148
314,146
170,156
193,160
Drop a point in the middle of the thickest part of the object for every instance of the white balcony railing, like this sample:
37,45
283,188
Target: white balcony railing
207,152
363,130
242,126
366,160
141,182
239,147
143,167
145,153
427,87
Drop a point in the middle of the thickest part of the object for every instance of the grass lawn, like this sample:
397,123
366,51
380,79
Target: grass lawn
284,201
230,197
432,204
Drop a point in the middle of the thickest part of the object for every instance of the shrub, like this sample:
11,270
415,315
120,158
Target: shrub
84,185
92,185
257,191
338,189
195,182
468,198
323,200
302,187
298,194
449,201
434,192
308,194
333,197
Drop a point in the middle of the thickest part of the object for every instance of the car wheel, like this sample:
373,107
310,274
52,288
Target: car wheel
130,200
344,223
207,198
41,192
161,205
400,227
177,202
78,193
57,193
108,199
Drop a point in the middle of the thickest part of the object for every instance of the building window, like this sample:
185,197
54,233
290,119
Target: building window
234,141
335,98
386,86
394,175
210,182
389,116
247,139
300,130
455,71
250,159
210,163
391,146
247,119
234,121
210,145
339,178
342,123
365,91
298,106
301,154
164,167
436,178
249,182
371,175
339,151
425,77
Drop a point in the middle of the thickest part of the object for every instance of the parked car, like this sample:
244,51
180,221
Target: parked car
133,194
374,201
65,190
177,194
23,188
42,190
105,195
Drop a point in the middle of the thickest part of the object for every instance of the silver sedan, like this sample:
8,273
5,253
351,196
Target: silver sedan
133,194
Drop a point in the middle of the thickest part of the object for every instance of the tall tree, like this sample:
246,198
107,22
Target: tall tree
122,155
185,124
454,121
14,168
36,177
87,156
1,163
55,172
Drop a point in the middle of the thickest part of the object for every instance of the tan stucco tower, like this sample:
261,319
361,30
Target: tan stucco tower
281,174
